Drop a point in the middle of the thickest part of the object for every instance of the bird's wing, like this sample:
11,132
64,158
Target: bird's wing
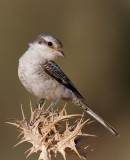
53,70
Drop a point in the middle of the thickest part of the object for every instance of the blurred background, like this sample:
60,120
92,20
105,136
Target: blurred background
96,39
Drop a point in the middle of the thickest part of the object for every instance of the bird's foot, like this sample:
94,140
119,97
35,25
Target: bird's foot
39,102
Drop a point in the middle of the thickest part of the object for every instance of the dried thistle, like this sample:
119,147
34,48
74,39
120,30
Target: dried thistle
44,132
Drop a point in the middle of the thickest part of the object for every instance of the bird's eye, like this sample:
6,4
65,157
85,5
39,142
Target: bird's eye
50,44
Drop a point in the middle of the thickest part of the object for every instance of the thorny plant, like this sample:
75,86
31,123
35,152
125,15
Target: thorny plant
48,135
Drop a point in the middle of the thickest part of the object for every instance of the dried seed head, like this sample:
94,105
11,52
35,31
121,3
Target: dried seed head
44,132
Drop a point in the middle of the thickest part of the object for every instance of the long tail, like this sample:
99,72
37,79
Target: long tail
82,103
100,120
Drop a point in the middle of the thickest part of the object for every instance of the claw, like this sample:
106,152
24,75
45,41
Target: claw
39,102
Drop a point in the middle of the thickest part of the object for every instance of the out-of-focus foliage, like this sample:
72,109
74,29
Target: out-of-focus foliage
96,39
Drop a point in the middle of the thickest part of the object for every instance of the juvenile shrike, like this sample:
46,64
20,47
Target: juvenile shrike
42,76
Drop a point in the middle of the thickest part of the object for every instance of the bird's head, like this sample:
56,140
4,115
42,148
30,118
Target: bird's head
47,47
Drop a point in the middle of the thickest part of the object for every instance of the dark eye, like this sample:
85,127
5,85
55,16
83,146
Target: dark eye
50,44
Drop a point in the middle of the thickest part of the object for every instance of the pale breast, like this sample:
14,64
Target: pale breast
36,81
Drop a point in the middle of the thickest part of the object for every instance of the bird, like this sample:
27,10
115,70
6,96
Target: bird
42,77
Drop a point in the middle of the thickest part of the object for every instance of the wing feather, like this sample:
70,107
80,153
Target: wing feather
53,70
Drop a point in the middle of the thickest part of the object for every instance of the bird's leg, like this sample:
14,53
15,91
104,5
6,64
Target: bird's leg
51,107
40,102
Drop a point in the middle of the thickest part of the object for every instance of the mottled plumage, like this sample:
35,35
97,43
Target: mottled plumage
55,72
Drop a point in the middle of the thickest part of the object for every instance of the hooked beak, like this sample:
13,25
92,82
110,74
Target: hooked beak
60,53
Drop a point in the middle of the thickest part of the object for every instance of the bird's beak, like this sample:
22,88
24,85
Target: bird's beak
60,53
